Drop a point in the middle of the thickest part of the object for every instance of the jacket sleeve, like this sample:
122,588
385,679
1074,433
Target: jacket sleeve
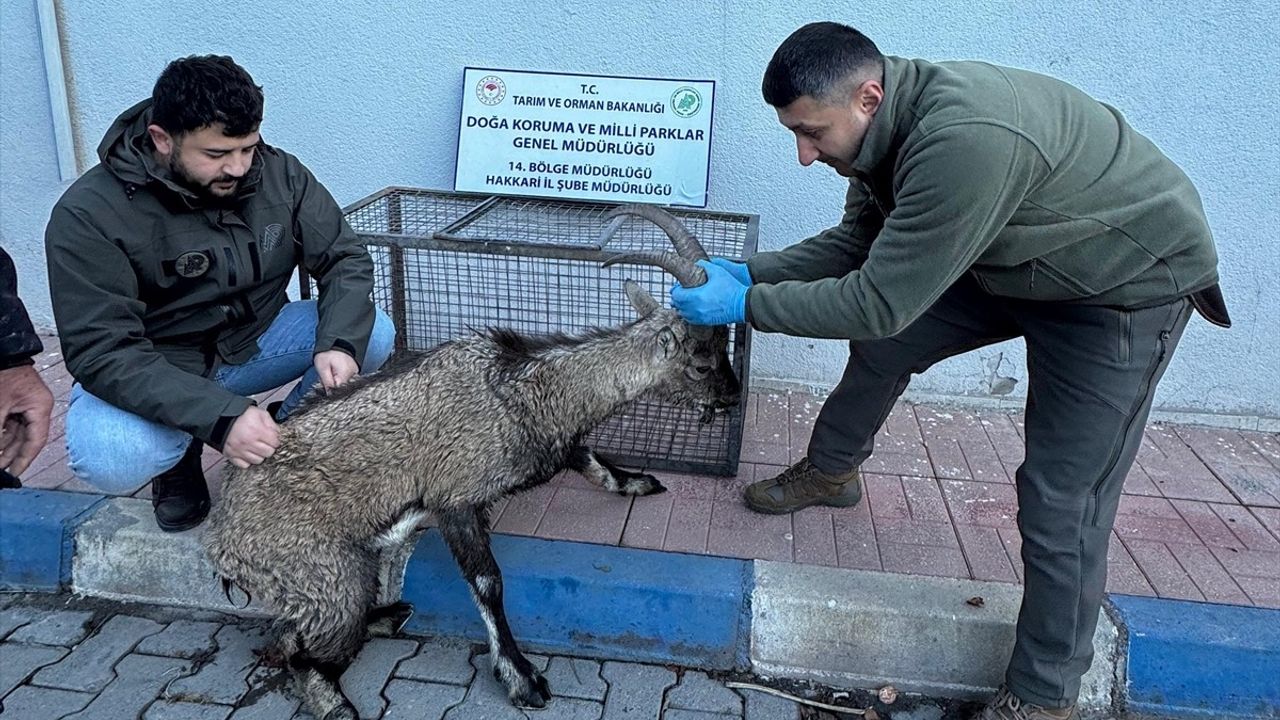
334,256
957,189
832,252
18,340
100,324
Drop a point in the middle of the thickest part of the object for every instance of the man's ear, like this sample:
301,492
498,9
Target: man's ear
868,96
161,138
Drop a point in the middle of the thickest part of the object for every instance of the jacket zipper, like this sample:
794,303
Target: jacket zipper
1128,426
1034,263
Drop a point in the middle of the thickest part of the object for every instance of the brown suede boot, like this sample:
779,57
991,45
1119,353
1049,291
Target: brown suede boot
1007,706
802,485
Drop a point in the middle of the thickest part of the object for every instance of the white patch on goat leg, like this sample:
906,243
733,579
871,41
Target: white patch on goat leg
400,532
641,485
502,666
599,474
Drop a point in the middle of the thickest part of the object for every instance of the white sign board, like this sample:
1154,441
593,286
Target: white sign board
587,137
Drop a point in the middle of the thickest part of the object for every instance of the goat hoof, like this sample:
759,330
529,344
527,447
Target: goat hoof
642,485
533,693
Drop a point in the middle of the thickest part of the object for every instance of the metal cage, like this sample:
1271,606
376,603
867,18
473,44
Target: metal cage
448,263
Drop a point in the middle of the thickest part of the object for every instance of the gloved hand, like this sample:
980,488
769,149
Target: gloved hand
738,270
721,300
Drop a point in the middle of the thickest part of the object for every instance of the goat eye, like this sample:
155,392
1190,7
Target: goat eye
701,370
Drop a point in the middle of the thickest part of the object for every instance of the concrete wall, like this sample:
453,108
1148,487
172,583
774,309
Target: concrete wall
367,93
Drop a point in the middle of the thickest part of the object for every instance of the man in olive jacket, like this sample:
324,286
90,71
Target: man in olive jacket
169,264
984,203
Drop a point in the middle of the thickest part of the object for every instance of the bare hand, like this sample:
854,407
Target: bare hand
335,368
253,438
25,406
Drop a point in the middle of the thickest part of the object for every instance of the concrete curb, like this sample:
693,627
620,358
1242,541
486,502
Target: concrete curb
919,634
1201,660
37,528
844,627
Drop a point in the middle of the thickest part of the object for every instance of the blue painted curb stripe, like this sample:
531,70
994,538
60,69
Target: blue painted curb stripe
1192,659
594,600
37,536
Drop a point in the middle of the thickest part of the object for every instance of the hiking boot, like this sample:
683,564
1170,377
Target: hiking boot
1007,706
802,485
179,495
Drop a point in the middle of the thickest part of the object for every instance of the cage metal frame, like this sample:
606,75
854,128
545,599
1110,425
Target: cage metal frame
453,237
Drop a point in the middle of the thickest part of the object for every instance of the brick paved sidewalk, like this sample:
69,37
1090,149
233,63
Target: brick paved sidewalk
1200,518
90,660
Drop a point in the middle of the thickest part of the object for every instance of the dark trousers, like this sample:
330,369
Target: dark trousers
1092,372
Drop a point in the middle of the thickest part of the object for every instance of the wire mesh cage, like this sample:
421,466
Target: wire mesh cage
450,263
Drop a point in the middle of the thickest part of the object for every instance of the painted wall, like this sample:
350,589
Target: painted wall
367,94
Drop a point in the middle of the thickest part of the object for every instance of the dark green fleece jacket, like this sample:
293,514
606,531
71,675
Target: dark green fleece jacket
153,290
1036,189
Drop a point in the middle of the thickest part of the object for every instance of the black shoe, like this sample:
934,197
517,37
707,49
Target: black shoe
179,495
273,409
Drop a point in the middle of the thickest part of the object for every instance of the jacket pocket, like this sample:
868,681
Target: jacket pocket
1032,280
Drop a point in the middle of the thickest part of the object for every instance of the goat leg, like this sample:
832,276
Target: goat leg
316,682
465,530
611,477
330,625
394,547
388,620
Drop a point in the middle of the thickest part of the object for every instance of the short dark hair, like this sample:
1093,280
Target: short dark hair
201,90
819,59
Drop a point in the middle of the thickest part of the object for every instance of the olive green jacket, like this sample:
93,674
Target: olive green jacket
1036,189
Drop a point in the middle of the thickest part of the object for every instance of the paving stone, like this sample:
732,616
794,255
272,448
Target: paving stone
413,700
21,661
37,703
635,691
698,692
270,696
679,714
487,699
763,706
362,683
224,679
139,680
184,639
168,710
60,627
574,677
439,662
89,666
15,617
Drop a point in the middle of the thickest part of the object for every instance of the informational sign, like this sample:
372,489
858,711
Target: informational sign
586,137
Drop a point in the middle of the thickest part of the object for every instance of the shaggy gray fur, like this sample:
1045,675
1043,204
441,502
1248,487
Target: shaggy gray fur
316,532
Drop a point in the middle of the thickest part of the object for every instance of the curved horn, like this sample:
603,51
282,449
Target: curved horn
686,244
682,268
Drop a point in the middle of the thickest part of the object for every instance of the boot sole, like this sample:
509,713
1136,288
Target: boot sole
775,510
184,525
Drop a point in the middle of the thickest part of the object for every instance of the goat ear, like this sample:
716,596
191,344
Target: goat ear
641,300
667,343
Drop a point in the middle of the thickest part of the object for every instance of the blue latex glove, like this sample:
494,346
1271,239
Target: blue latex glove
738,270
719,301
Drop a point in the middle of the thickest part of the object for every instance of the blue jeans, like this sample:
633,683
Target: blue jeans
118,452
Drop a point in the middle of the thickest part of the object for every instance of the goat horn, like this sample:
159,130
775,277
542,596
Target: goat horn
686,244
682,268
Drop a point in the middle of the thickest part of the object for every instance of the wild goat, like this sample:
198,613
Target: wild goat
318,532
